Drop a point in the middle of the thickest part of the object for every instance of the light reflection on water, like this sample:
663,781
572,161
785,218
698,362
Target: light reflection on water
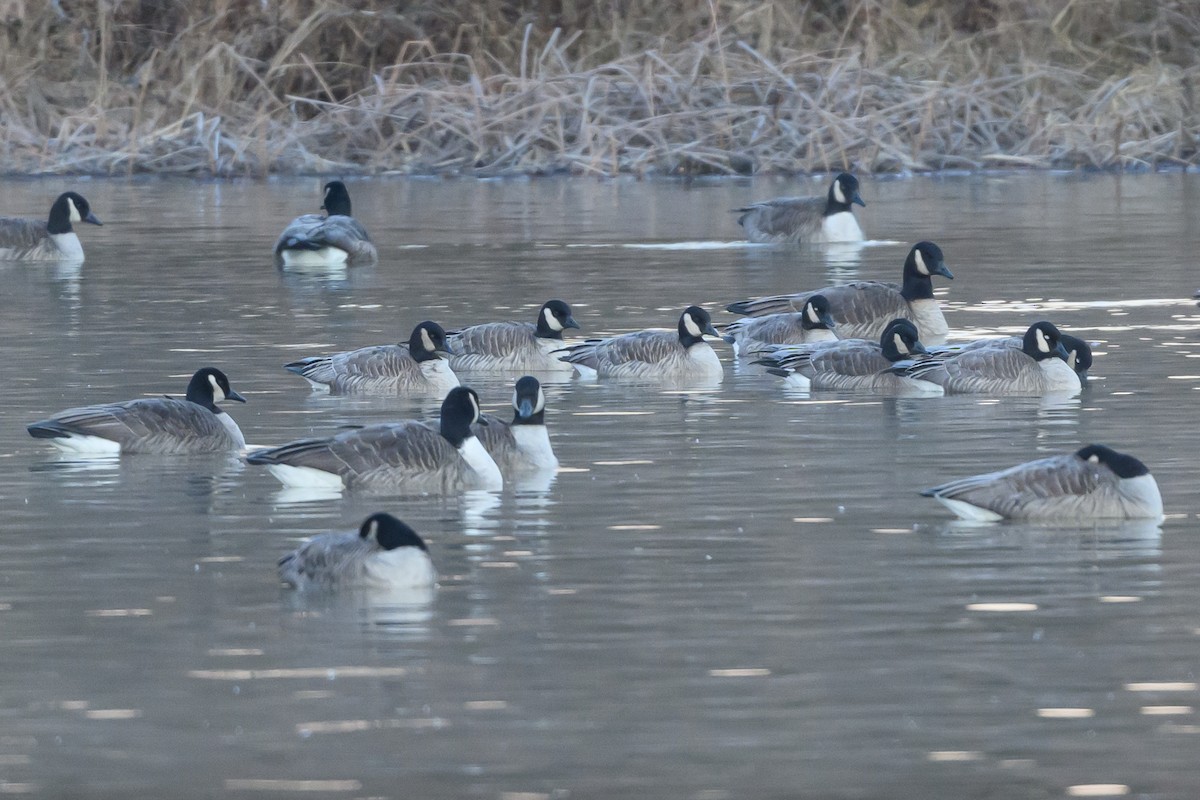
727,593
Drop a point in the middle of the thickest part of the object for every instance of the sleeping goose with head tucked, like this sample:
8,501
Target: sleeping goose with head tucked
331,240
863,309
382,553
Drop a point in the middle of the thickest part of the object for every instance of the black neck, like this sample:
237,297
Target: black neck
916,286
544,331
538,418
455,432
60,217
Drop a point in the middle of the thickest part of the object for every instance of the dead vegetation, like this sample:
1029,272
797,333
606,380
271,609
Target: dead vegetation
233,87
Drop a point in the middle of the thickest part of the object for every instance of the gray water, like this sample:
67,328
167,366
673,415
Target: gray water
728,594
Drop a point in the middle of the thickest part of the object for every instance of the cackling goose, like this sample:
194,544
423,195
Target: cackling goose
409,456
53,240
851,363
522,445
514,346
384,552
1092,483
810,325
806,219
337,238
656,355
1038,367
1079,352
161,425
864,308
415,368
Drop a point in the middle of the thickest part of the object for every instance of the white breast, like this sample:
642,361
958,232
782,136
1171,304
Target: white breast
324,257
68,246
404,566
841,227
437,371
1143,497
232,427
478,458
534,443
704,362
1059,376
931,325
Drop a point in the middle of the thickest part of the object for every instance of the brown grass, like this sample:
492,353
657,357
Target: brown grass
231,87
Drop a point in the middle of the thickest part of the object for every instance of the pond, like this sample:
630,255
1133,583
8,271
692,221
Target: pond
723,594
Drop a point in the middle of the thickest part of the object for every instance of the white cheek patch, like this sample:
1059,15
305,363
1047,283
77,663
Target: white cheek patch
541,401
475,406
75,217
691,326
426,341
516,401
920,261
812,313
838,194
218,392
1072,357
373,530
1093,459
552,320
1043,345
900,345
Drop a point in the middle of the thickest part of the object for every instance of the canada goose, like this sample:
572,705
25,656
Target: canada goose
514,346
806,219
810,325
851,363
161,425
524,443
1094,482
384,552
864,308
415,368
52,240
337,238
653,354
409,456
1038,367
1079,352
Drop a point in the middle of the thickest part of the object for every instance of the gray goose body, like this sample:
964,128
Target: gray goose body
810,325
514,346
863,309
384,553
522,445
52,240
165,426
813,220
1038,367
1079,352
1093,483
851,364
651,355
409,456
313,239
413,369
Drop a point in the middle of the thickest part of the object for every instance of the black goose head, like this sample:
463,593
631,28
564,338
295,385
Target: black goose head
460,410
337,199
208,387
428,341
816,315
553,318
1079,355
924,259
70,207
842,193
1123,466
529,402
1042,341
694,322
389,533
900,340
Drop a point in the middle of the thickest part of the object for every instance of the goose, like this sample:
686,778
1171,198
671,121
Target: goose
1079,352
1094,482
383,552
514,346
315,240
1038,367
52,240
810,325
160,425
815,220
415,368
864,308
409,456
658,355
851,363
524,443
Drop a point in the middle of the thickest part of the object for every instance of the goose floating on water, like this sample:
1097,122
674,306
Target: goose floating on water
814,220
52,240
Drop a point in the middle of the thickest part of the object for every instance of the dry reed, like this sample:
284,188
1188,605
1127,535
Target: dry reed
493,87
